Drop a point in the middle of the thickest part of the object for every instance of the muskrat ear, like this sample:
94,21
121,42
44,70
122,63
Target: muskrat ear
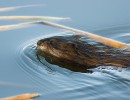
52,41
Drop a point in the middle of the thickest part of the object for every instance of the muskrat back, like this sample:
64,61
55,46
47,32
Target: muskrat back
81,53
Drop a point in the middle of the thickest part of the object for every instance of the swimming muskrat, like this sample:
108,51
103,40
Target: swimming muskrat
79,54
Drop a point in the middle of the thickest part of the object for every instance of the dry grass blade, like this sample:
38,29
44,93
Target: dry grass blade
32,18
15,26
15,8
22,97
103,40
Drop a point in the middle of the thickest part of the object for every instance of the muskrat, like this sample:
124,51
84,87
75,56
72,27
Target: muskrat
79,54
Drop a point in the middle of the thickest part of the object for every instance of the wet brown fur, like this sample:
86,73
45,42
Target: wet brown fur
77,54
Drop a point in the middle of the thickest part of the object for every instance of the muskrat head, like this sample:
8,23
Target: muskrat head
50,45
56,46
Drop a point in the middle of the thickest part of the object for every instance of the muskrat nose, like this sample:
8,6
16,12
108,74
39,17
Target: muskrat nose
39,45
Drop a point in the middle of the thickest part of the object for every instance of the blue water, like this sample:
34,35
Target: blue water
22,73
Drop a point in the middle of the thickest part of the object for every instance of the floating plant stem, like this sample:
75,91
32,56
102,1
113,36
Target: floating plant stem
15,26
103,40
32,18
16,7
26,24
22,97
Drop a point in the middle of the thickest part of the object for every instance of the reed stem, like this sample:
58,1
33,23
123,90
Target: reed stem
21,97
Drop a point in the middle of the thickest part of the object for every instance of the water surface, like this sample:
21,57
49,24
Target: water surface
21,72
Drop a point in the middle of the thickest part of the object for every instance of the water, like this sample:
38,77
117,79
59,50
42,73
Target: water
22,73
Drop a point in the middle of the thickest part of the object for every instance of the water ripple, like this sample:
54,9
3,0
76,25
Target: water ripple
62,84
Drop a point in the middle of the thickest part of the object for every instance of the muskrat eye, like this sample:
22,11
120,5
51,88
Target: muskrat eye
40,42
